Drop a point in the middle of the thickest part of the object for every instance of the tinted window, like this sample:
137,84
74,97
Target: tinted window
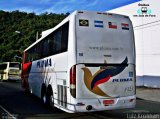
3,66
56,42
15,65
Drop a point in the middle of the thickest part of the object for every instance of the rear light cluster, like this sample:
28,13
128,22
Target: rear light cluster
73,81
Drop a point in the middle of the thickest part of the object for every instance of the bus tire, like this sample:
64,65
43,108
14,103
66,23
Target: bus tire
49,97
43,95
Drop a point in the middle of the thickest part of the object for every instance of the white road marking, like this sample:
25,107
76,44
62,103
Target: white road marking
8,113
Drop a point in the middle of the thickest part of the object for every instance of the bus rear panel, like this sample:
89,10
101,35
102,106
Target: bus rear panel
105,62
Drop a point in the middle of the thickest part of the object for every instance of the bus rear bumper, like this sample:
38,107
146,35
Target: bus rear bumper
90,105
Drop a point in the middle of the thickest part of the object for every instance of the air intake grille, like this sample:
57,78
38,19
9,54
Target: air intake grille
62,95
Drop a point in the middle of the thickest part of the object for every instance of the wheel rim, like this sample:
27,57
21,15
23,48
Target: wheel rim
44,99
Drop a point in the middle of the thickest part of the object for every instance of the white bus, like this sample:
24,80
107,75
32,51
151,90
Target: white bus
86,63
10,71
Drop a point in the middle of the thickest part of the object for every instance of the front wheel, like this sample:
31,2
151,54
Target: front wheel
43,97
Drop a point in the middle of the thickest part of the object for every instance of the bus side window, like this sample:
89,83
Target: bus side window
56,42
50,45
39,50
45,48
64,42
58,36
53,44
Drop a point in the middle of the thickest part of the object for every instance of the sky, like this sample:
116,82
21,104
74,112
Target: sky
61,6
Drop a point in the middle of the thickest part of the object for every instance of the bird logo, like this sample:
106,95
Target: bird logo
92,81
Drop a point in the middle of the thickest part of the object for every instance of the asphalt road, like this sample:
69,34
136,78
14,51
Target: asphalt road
15,104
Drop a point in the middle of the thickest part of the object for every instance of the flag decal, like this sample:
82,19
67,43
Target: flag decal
125,26
112,25
98,23
83,22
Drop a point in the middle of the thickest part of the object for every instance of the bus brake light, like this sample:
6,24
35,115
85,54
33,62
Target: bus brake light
73,75
73,81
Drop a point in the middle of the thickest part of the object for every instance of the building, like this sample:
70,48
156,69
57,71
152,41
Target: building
145,16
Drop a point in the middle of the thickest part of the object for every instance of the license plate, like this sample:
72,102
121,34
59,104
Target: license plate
108,102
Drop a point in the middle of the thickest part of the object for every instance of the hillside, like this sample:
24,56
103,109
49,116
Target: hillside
18,30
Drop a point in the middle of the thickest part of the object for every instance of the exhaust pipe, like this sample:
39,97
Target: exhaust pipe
89,107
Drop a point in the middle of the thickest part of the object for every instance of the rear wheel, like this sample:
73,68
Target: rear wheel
44,99
49,96
43,95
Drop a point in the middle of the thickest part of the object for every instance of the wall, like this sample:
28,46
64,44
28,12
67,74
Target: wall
147,38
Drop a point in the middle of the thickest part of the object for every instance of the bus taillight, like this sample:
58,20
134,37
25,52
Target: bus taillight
73,81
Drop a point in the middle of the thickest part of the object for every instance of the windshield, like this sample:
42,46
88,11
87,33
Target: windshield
14,65
3,66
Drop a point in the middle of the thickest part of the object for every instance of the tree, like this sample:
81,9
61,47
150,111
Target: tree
28,24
